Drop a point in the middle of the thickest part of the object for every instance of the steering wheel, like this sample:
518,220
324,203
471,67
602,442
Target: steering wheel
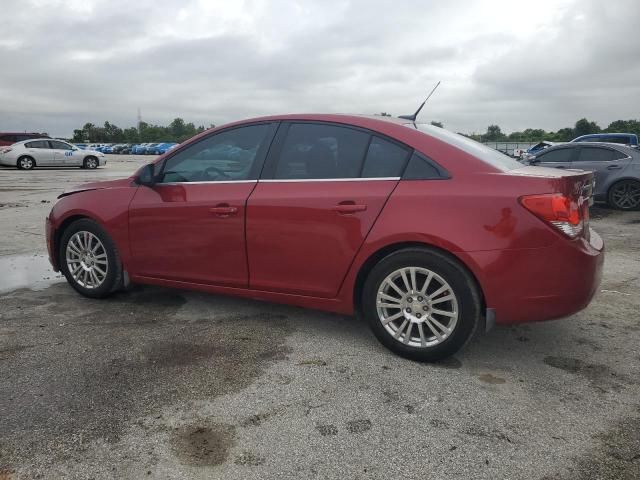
218,173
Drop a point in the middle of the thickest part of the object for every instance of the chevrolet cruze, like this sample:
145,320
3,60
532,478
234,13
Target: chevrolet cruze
428,235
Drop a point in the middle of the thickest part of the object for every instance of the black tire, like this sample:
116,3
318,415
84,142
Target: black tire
624,195
113,278
91,163
26,163
463,286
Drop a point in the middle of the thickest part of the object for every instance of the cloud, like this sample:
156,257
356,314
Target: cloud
518,64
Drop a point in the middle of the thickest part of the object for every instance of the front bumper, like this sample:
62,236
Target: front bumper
530,285
50,236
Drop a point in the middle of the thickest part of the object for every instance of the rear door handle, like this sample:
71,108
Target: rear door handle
224,210
614,167
560,166
349,207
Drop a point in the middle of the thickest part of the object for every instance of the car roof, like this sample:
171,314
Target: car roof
617,146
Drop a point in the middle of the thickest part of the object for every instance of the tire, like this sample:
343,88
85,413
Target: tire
90,163
459,299
26,163
77,267
625,195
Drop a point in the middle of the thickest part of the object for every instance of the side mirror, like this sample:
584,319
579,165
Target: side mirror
146,176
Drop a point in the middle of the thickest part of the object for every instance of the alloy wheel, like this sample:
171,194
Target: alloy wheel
626,195
87,260
417,307
91,163
26,163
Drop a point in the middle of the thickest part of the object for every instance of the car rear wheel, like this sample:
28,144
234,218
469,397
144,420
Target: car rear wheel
421,304
26,163
91,163
89,259
625,195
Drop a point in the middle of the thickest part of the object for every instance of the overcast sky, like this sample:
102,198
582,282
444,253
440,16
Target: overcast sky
542,63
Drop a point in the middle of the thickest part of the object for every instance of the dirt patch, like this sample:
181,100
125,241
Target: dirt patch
98,364
491,379
359,426
601,377
616,457
203,445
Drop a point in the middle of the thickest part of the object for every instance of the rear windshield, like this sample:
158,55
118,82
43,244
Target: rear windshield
488,155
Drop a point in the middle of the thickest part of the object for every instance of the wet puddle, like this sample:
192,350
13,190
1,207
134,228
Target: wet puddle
26,271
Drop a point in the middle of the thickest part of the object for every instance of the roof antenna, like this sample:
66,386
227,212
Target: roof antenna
415,115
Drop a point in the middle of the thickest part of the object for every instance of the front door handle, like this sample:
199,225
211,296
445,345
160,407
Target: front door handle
224,210
560,166
614,167
349,207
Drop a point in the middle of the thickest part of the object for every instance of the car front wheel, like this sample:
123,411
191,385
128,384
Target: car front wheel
421,304
89,259
91,163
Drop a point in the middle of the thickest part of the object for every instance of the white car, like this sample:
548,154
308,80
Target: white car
45,152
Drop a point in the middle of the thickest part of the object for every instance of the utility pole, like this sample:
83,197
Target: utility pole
139,120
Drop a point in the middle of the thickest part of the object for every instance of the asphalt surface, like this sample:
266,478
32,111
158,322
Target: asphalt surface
158,383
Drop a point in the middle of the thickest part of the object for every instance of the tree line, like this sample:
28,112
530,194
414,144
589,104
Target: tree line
582,127
177,131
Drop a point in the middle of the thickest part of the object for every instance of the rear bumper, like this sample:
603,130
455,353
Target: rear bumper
530,285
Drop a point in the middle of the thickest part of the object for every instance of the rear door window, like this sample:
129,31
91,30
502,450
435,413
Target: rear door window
37,144
60,145
384,159
561,155
321,151
595,154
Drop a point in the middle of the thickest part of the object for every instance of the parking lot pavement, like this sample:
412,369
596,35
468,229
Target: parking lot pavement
157,383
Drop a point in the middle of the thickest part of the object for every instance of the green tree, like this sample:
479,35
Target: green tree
585,127
494,134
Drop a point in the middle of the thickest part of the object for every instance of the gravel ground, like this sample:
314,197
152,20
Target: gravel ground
157,383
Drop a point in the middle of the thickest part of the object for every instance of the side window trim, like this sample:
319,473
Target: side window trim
256,168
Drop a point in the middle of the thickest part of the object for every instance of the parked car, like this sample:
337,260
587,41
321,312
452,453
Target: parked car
622,138
162,148
149,148
538,147
426,233
9,138
139,148
81,146
45,152
616,168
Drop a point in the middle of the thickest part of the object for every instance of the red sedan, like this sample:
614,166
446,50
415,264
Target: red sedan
427,234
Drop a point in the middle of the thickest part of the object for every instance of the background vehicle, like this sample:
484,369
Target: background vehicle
616,169
49,153
415,227
162,148
538,147
9,138
622,138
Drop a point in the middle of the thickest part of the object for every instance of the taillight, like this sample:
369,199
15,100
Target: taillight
563,213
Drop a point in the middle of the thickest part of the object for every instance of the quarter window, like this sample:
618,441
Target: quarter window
384,159
559,155
225,156
317,151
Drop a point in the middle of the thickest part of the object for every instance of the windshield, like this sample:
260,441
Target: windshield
488,155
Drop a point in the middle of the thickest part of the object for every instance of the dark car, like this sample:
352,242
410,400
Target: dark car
9,138
616,169
426,233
